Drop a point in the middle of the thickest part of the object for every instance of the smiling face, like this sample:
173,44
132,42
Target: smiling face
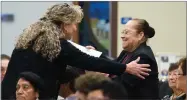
172,78
130,36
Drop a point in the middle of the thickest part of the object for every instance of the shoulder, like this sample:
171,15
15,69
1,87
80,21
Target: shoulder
65,45
144,51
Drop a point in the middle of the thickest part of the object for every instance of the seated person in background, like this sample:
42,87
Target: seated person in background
67,89
84,81
29,86
164,90
107,90
105,74
172,80
181,78
4,64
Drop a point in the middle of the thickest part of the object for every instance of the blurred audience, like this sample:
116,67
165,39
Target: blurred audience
29,86
67,89
172,80
105,74
83,82
164,90
181,78
107,90
4,64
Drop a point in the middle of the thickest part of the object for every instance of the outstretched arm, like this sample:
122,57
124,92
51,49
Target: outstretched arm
75,57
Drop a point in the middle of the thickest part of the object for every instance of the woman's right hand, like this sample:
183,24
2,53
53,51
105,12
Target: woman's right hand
139,70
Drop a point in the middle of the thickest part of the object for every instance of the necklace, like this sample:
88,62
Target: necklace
173,97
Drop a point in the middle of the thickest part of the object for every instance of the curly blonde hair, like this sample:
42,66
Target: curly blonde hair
45,34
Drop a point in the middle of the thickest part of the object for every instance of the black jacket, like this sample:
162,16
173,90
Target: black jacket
52,72
138,88
164,90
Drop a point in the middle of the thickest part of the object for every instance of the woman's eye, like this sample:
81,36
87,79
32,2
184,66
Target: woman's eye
25,87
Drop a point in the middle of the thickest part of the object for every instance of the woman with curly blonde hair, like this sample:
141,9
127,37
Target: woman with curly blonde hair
43,49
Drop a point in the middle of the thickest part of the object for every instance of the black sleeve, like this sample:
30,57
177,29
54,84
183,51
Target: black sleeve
8,84
74,57
132,80
106,57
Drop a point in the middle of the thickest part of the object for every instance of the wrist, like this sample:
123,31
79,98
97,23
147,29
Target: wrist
127,68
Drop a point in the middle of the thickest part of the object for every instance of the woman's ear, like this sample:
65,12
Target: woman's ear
64,28
141,36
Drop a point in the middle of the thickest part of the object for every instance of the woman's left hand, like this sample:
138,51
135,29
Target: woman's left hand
90,47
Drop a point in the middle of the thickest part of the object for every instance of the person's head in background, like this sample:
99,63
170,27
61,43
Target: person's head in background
107,90
59,22
172,75
4,64
172,80
105,74
136,32
67,88
83,82
181,79
29,86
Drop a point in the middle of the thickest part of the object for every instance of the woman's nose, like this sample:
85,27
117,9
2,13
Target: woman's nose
20,91
169,77
122,37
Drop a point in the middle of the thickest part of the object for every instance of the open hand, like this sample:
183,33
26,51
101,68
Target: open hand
139,70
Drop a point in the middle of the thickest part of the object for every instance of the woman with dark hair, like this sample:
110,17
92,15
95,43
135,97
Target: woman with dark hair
107,90
43,48
134,36
172,82
29,86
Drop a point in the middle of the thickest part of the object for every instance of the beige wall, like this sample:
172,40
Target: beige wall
168,19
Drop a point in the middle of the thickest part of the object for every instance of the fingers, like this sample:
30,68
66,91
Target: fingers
145,69
144,73
144,65
90,47
140,76
138,59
